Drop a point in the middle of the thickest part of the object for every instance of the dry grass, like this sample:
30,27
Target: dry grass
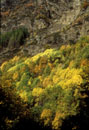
5,14
29,5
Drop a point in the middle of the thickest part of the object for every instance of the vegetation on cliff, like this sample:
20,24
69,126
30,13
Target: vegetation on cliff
13,38
55,83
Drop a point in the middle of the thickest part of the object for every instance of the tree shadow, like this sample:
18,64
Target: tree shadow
81,120
11,110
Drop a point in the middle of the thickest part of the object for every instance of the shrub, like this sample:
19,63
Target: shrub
35,82
24,81
47,70
37,92
46,116
84,39
50,82
82,54
16,36
57,122
85,52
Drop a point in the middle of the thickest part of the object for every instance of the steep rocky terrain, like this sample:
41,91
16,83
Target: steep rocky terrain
44,64
50,22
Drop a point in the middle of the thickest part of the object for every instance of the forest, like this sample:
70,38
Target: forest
51,88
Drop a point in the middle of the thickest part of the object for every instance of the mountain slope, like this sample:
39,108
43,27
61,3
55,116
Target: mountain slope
55,84
44,64
48,22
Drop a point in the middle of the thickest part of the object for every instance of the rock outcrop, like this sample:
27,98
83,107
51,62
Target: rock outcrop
50,22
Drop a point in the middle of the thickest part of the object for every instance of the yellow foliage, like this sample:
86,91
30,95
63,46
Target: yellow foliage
17,84
57,122
37,91
76,92
84,96
67,77
23,95
8,83
68,46
13,68
46,116
27,61
15,76
47,81
40,77
43,60
37,69
50,65
46,76
47,53
63,47
29,82
15,59
46,113
3,65
36,57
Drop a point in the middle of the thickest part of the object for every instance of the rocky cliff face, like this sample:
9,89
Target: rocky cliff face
50,22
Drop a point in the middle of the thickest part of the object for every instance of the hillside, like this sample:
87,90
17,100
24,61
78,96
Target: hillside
49,23
54,83
44,64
